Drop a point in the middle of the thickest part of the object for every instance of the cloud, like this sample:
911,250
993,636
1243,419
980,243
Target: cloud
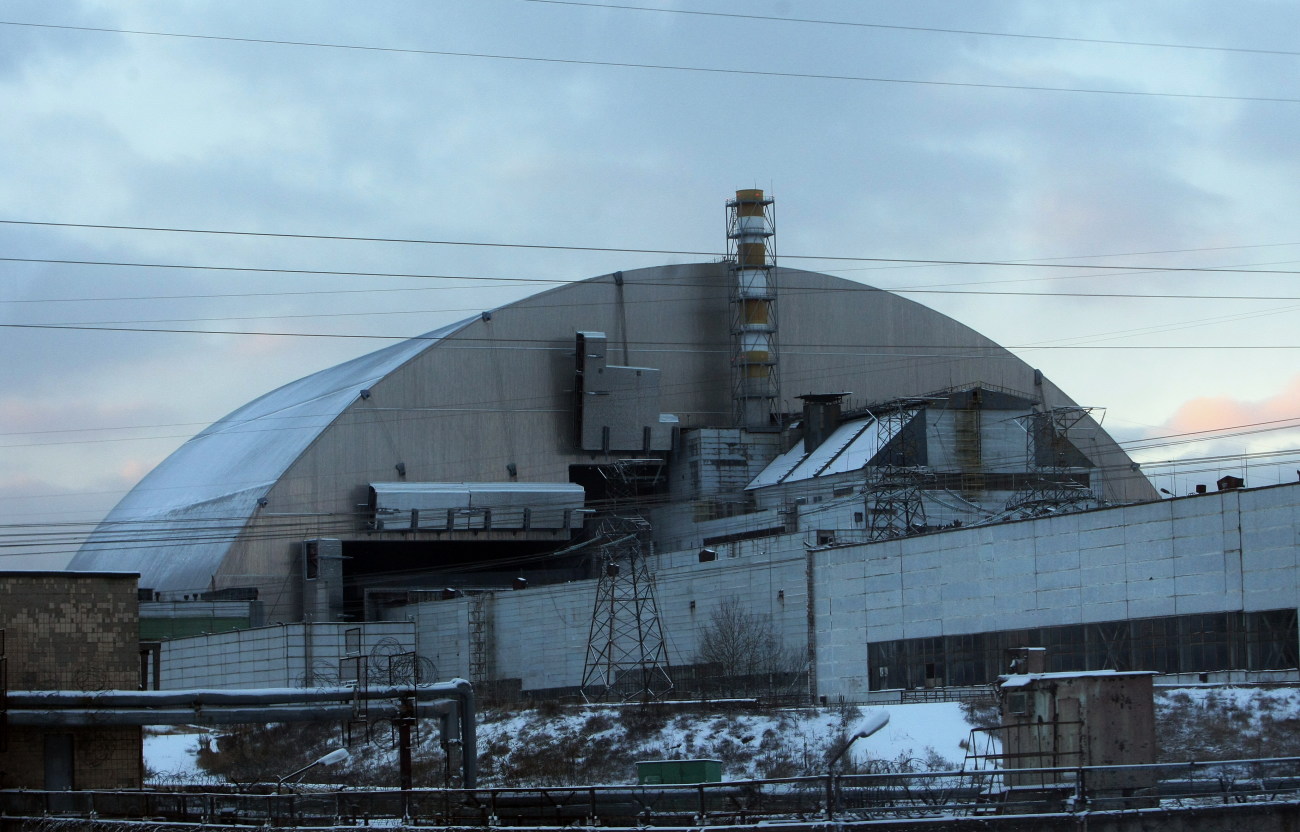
1219,412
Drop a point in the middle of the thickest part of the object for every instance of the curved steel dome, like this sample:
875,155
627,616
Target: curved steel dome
491,398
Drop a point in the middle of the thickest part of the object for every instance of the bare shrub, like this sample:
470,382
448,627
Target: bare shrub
746,651
982,713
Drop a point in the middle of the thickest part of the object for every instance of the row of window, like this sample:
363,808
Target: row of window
1176,644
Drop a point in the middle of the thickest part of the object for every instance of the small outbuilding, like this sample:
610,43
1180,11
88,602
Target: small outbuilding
1073,720
68,631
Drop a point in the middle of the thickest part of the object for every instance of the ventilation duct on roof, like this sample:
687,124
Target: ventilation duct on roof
617,408
821,416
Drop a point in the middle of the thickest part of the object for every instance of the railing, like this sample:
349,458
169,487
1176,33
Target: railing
982,694
896,794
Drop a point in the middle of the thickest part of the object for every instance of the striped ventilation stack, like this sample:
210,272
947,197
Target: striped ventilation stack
751,257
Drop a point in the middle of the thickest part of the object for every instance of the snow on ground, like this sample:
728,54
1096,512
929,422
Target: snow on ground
172,752
606,742
556,745
915,729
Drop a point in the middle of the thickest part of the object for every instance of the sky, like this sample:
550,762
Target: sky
1099,179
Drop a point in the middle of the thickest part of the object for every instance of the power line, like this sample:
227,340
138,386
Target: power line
1085,339
928,29
660,67
446,310
259,270
613,250
845,350
520,280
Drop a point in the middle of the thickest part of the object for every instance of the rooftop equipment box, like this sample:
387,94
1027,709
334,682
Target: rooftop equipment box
450,506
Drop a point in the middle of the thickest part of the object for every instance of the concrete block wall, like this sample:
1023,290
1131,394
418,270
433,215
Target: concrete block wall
1214,553
1218,552
71,631
540,634
283,655
103,758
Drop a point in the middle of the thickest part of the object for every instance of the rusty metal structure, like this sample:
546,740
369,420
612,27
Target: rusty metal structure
1054,724
751,259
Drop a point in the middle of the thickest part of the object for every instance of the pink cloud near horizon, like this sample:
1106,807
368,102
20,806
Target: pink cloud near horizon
1219,412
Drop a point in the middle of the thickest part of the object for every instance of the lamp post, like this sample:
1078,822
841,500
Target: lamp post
866,728
336,756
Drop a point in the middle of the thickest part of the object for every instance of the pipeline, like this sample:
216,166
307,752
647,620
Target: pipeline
447,701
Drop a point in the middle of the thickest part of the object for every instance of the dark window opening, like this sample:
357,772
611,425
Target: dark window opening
1200,643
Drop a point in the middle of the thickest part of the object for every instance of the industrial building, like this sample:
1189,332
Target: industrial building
561,492
71,632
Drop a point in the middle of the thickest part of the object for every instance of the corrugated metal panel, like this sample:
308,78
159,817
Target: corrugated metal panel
476,505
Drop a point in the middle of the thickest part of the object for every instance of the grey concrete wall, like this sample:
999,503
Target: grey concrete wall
540,634
1213,553
279,656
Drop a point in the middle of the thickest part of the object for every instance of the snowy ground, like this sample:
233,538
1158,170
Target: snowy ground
170,752
596,744
553,746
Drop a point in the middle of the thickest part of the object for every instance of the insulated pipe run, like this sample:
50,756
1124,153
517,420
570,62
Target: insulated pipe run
221,715
206,698
229,707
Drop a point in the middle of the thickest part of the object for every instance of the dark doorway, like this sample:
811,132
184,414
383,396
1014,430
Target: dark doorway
58,763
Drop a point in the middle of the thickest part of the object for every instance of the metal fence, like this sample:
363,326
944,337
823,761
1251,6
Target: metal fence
892,794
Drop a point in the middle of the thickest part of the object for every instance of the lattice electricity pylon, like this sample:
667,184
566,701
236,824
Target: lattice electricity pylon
892,418
626,656
1053,459
894,503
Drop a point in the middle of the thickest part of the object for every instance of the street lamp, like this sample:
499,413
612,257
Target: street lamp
336,756
866,728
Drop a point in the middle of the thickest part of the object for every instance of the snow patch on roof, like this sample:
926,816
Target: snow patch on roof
849,447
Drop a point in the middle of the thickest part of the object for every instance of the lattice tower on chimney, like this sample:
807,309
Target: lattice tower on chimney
751,259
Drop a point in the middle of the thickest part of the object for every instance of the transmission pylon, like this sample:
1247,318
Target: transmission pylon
894,503
895,483
626,656
1054,464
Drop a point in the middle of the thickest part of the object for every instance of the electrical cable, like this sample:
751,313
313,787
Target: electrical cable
612,250
801,76
925,29
517,344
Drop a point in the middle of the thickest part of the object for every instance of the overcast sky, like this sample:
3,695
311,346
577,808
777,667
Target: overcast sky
993,131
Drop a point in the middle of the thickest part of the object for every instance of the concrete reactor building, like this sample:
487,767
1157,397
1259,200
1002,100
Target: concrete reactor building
574,491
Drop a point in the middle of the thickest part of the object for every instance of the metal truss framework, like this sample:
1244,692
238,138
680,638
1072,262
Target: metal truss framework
1052,489
893,494
751,261
627,659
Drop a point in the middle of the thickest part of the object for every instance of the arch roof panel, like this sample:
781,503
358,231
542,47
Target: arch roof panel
176,525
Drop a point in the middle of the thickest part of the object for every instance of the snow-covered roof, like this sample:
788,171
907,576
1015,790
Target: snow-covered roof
208,489
849,447
1024,680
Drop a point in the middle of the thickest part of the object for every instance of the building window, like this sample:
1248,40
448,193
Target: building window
1177,644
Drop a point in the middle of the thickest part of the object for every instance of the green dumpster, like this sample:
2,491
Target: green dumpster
657,772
